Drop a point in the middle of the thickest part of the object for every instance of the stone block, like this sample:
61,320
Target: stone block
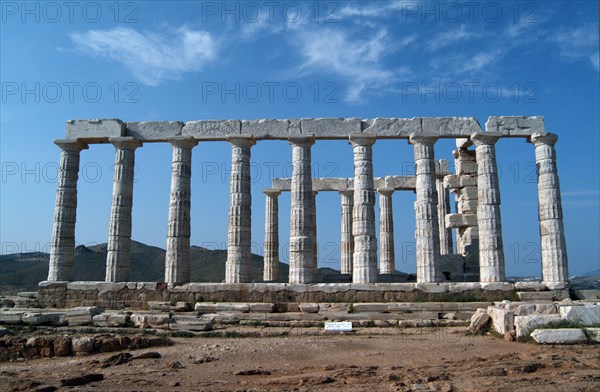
502,319
515,125
526,324
593,334
161,306
450,126
588,295
334,128
391,127
154,131
149,320
309,307
530,286
34,318
479,320
111,319
559,336
212,129
584,314
264,307
399,182
370,307
535,295
266,128
204,307
190,323
232,307
82,315
454,221
84,344
180,306
95,130
11,317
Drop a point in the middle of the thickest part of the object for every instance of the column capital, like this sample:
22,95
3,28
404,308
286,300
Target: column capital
362,140
242,140
543,138
183,141
301,141
125,143
272,192
427,139
386,191
485,138
71,144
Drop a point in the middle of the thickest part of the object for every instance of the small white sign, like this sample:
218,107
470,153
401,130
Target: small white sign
339,326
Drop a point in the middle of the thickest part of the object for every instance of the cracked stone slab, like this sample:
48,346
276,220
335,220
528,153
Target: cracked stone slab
266,128
212,129
154,131
517,126
335,128
95,130
450,126
392,127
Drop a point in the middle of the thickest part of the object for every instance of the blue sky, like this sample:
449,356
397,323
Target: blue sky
189,60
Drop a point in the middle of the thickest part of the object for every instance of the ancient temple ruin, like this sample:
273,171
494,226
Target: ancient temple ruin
477,255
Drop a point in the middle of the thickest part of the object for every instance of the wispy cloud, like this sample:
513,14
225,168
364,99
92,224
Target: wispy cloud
585,192
151,57
579,43
376,9
450,37
358,61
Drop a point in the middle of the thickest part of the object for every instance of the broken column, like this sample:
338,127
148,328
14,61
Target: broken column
65,211
301,212
119,233
177,259
491,251
426,204
363,216
239,252
271,252
386,232
347,240
553,245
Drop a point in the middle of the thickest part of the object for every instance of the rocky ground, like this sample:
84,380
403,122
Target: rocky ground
370,359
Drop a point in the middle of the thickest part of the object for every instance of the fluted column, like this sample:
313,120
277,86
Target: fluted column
239,252
119,232
363,216
65,211
301,212
491,250
271,253
386,232
177,262
427,227
553,245
347,240
446,247
314,234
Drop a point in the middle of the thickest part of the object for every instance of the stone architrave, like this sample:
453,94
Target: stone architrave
491,251
239,251
271,252
364,268
427,228
177,262
552,233
301,212
65,211
119,233
386,232
347,239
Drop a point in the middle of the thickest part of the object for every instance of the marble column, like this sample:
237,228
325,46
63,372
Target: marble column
347,240
65,211
314,235
364,268
239,251
177,262
271,252
301,212
553,246
446,247
119,232
427,227
491,251
386,232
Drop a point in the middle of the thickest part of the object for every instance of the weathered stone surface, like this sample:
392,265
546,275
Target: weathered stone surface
232,307
502,319
154,130
45,318
261,307
518,126
82,315
593,334
11,317
212,129
203,307
559,336
271,249
162,306
535,295
479,320
190,323
370,307
95,130
309,307
330,127
454,221
584,314
526,324
84,344
450,126
391,127
149,320
266,128
111,319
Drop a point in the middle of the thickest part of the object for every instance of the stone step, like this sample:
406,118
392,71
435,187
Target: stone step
536,295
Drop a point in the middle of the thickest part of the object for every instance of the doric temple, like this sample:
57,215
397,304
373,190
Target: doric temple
477,255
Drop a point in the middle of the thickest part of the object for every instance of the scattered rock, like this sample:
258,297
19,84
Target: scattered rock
82,380
205,359
117,359
148,355
175,365
84,344
559,336
62,346
479,320
510,336
107,344
254,372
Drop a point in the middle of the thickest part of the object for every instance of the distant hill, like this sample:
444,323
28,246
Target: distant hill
23,271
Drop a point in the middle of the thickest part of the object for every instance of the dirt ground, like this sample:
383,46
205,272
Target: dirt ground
377,360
